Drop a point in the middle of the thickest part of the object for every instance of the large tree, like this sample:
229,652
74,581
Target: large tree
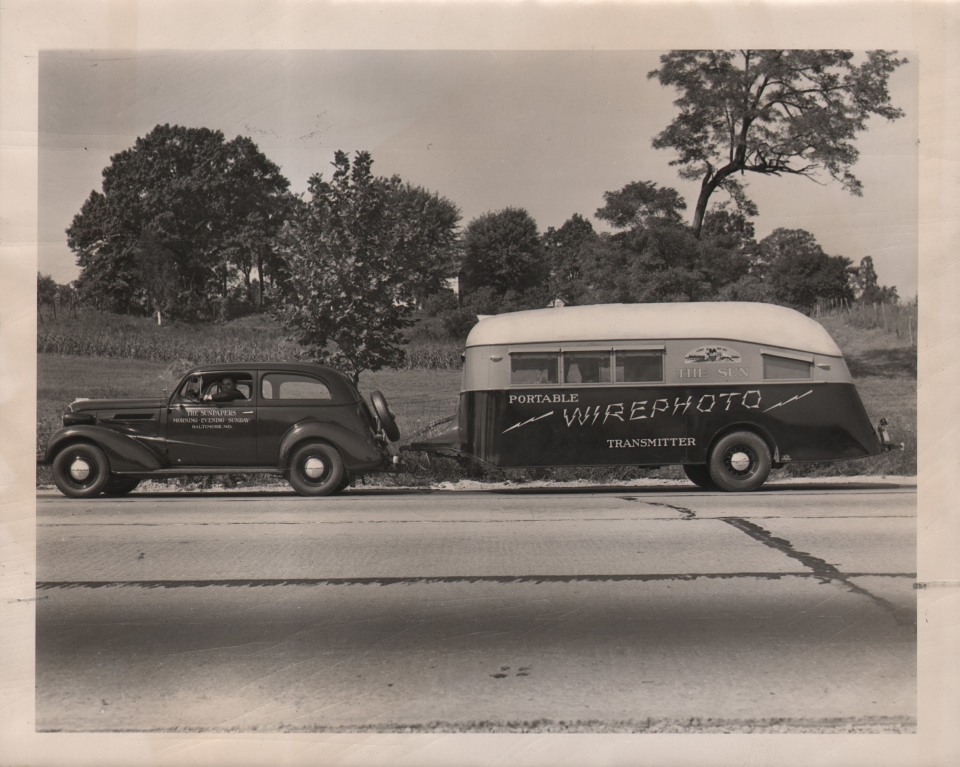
798,273
641,204
566,250
772,112
182,215
658,258
427,237
502,252
357,255
866,286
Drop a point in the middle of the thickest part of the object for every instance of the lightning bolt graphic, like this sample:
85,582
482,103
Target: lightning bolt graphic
787,402
524,423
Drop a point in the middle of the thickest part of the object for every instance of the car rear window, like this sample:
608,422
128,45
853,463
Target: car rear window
292,386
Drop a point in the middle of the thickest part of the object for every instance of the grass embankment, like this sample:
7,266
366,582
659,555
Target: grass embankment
107,356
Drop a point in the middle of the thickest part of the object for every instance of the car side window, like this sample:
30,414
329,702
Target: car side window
292,386
191,390
219,387
228,388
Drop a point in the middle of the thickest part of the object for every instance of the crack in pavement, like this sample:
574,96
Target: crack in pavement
687,513
819,567
417,580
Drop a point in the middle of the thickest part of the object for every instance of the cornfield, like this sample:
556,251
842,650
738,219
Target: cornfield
98,335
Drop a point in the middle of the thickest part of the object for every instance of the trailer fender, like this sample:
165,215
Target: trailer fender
756,428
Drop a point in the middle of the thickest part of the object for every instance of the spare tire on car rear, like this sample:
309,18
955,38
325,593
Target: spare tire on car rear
387,422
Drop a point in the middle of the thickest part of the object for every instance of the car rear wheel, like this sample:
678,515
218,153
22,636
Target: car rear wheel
699,474
387,422
740,462
120,485
81,470
316,469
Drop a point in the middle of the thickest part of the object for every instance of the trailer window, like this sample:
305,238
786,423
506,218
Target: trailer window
534,368
775,367
639,366
586,367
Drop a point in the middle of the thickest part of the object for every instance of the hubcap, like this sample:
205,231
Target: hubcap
314,467
80,470
740,461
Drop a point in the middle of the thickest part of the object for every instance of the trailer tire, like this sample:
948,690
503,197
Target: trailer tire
740,462
699,474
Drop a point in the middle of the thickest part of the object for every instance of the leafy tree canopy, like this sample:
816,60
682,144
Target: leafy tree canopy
356,256
567,249
773,112
502,251
642,203
798,273
182,204
866,286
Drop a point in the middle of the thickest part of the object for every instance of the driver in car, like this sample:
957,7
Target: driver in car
228,392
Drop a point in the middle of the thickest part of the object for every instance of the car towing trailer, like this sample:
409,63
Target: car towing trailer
727,390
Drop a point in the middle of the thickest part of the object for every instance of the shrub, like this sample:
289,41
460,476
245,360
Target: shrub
457,323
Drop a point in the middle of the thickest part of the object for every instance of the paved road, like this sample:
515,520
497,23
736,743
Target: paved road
621,609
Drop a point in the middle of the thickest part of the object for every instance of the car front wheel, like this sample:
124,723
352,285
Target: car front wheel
81,471
740,462
316,469
117,486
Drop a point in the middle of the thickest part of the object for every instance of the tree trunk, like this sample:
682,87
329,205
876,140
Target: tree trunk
260,281
701,209
707,187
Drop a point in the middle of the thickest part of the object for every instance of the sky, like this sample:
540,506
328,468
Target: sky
547,131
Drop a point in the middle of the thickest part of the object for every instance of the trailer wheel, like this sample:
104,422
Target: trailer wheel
316,469
81,470
740,462
699,474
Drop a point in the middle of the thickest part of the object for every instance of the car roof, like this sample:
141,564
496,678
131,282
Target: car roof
758,323
329,374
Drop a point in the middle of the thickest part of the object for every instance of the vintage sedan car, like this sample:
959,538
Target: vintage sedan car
303,421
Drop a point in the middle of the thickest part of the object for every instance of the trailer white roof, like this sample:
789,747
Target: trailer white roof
758,323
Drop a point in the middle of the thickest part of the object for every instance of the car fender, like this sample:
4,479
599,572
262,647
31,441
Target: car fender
358,453
125,453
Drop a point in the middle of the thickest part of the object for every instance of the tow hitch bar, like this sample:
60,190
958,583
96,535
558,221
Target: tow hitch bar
886,443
